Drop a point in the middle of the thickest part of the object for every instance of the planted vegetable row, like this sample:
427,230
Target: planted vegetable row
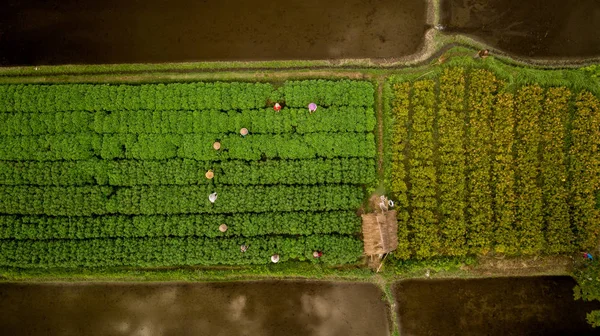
451,134
188,146
400,112
509,172
182,96
260,121
245,225
187,172
423,222
154,252
150,200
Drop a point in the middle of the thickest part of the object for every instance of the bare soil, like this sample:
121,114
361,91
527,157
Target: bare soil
240,308
543,29
36,32
497,306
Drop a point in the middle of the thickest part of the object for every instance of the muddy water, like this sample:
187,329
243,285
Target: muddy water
509,306
531,28
250,308
34,32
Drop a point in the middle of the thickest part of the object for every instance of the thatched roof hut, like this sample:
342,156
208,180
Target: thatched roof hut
380,232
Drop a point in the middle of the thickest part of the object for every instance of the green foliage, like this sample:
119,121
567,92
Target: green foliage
529,216
483,86
114,175
400,110
151,200
257,121
424,222
558,235
451,171
185,172
436,264
588,288
480,165
328,93
205,225
165,251
584,163
506,236
185,146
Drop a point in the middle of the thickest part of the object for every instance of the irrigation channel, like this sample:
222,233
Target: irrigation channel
498,306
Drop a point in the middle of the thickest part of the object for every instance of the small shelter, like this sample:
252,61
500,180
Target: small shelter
380,230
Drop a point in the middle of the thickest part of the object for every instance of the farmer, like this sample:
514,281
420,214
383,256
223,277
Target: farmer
243,248
275,258
216,145
244,132
312,107
209,174
588,256
223,227
277,107
212,197
317,254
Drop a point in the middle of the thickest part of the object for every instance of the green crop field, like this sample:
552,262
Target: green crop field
114,175
479,165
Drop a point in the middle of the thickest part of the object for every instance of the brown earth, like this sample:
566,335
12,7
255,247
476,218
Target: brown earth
240,308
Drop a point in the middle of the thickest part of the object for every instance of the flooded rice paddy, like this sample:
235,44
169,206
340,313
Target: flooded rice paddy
36,32
533,28
178,309
499,306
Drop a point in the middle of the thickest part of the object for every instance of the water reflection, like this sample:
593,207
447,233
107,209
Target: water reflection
253,308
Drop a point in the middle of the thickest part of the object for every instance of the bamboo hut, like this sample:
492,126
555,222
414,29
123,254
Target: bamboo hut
380,232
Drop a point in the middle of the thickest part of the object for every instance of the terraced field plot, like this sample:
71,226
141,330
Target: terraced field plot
114,175
479,165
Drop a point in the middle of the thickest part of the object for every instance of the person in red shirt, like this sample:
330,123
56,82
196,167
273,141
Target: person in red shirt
277,107
317,254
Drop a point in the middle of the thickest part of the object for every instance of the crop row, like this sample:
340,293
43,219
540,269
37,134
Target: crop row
513,173
153,252
180,96
400,113
451,182
422,173
189,146
98,200
529,216
245,225
555,191
585,170
328,93
482,87
263,121
187,172
506,237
